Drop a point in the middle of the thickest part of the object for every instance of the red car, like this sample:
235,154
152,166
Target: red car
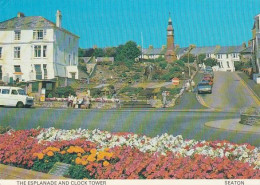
208,79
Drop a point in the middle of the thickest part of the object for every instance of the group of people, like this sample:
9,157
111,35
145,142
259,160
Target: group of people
75,102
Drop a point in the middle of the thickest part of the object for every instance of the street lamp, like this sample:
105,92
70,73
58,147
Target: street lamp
190,48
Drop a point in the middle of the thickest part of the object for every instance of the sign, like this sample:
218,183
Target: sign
175,81
59,169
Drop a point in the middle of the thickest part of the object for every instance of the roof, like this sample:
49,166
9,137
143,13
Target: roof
153,51
85,59
105,59
229,49
181,51
30,22
247,50
204,50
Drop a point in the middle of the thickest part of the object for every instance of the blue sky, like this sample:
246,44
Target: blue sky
113,22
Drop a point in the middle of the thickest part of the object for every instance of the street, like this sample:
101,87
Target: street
150,122
229,93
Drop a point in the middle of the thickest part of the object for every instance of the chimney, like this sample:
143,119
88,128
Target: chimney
58,18
20,14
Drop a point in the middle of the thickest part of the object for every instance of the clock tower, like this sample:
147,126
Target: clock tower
170,55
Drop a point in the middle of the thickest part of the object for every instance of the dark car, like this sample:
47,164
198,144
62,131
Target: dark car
204,87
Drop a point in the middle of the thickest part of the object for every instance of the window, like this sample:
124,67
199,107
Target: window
69,61
35,87
37,51
17,52
17,68
228,64
74,59
44,52
208,55
17,35
45,71
14,92
38,34
0,52
5,91
21,92
38,71
1,73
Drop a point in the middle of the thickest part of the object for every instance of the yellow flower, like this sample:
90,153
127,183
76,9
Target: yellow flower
106,149
79,154
105,163
91,158
40,156
50,153
78,160
84,156
93,151
70,151
84,162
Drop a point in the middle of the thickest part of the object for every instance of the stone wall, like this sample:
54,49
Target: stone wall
250,119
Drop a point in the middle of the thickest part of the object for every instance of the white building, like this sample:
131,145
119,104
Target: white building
256,49
227,56
34,48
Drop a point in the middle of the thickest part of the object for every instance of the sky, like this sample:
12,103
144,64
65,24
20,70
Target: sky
113,22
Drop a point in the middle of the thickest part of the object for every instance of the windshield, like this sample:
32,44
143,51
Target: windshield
21,92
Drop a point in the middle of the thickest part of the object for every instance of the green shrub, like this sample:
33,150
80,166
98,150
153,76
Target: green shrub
251,111
95,92
4,129
65,91
79,172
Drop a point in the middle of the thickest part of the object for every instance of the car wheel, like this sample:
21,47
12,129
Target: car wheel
27,106
20,105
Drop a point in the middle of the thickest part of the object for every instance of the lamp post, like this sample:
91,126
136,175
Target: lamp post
190,48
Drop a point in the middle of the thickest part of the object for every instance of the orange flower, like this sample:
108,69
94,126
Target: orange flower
106,149
40,156
84,162
93,151
105,163
91,158
70,151
63,152
50,153
78,160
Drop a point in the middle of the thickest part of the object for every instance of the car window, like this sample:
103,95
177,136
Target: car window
5,91
21,92
14,92
0,91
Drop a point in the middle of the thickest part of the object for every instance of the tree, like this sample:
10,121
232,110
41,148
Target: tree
201,58
185,57
110,52
131,51
98,52
210,62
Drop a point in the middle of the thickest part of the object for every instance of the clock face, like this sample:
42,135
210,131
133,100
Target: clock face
169,32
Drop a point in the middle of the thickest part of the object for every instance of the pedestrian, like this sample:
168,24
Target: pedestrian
87,102
70,100
75,100
164,94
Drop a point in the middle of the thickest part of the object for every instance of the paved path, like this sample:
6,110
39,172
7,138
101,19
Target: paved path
233,125
9,172
230,93
189,124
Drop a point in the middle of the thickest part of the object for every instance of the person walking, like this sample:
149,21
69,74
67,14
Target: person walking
75,100
70,100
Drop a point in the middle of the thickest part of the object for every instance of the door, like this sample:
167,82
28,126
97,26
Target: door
14,97
1,73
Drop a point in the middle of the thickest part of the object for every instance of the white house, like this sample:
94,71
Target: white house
34,48
227,56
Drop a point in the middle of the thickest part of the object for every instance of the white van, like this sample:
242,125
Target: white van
14,96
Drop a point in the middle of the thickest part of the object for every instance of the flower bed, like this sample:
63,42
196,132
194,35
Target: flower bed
103,155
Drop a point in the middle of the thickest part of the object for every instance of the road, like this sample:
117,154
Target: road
149,122
230,93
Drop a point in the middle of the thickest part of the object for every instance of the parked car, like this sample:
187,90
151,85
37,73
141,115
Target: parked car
14,96
204,87
208,79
